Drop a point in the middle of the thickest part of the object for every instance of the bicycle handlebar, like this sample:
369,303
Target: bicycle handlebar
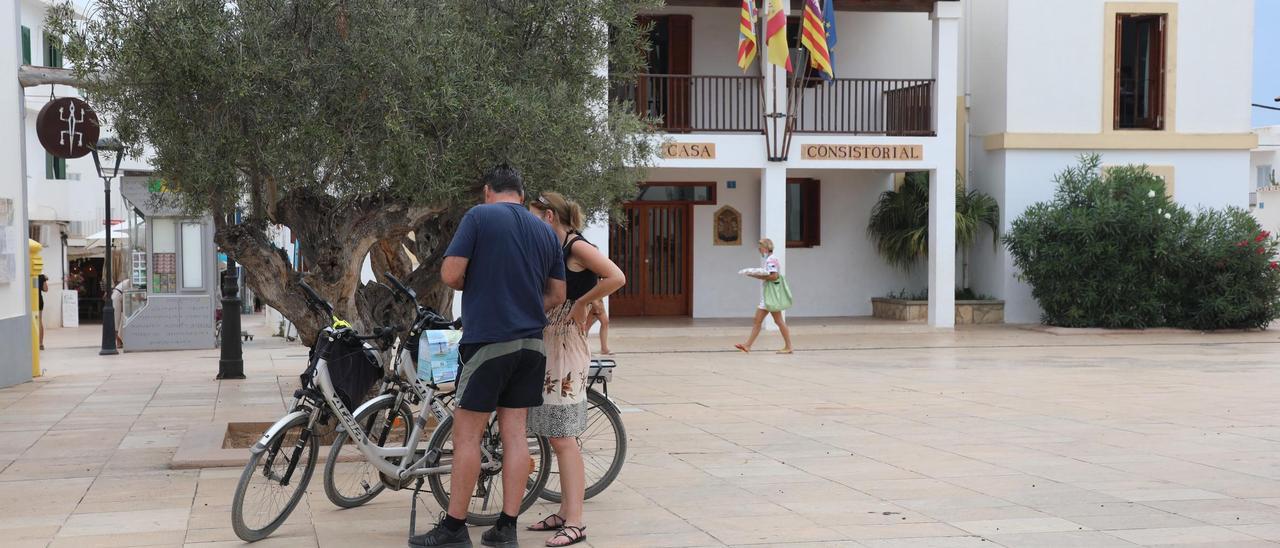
315,300
413,296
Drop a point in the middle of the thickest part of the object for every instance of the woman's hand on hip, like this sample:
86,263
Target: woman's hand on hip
579,312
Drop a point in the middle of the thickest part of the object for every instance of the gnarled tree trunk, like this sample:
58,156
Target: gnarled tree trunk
335,237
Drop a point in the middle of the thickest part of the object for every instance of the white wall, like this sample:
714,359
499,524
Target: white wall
985,40
1054,67
1215,66
837,278
840,276
1055,64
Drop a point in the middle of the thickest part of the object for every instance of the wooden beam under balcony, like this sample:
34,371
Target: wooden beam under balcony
841,5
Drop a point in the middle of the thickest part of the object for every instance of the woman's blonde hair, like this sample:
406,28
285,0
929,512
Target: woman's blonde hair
767,244
567,211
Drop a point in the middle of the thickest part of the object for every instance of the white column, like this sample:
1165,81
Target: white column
773,216
942,181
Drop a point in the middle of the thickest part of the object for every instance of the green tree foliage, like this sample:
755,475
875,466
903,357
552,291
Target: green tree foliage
1112,250
899,224
358,122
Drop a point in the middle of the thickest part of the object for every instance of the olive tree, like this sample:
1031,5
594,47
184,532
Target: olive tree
362,125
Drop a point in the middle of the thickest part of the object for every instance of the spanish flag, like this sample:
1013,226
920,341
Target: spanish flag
813,35
747,35
775,35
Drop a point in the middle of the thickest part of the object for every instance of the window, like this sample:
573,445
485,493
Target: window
803,213
192,257
52,51
54,167
1140,68
164,247
698,193
26,46
1266,177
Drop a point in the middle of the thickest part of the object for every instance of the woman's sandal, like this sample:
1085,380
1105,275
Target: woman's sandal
550,523
574,533
743,347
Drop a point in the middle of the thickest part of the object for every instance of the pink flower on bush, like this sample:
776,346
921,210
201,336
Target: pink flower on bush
1273,265
1262,250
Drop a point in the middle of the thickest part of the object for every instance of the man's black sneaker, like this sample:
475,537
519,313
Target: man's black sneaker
442,537
500,536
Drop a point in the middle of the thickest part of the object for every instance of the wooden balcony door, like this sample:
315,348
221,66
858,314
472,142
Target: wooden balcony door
653,247
671,37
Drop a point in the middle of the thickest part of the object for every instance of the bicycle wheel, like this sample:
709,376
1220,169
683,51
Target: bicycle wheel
487,497
604,448
273,481
349,479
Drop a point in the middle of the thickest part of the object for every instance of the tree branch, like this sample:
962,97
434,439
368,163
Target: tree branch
31,76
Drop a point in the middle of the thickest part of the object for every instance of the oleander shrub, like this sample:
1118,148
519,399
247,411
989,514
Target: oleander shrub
1112,250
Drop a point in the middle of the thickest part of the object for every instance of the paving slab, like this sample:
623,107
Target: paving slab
871,435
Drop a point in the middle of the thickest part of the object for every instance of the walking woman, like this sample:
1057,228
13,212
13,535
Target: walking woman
589,277
772,272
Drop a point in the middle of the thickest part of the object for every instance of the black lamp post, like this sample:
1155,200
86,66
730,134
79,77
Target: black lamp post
231,357
107,156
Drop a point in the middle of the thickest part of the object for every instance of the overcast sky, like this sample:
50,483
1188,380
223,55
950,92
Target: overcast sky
1266,61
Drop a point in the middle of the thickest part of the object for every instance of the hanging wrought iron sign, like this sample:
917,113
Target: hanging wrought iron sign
67,127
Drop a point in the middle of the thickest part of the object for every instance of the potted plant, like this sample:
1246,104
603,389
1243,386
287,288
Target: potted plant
899,227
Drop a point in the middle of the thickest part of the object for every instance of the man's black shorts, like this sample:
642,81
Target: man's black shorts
501,374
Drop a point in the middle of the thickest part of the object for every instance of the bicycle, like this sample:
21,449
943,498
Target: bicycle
603,443
288,447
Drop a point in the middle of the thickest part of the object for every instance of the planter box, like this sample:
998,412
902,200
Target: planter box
967,312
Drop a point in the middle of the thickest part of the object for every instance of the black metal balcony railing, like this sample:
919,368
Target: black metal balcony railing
861,106
685,104
727,104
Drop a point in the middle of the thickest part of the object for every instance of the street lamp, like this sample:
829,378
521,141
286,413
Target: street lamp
107,156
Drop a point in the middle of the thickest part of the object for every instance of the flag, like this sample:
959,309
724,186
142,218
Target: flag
829,23
747,35
813,36
775,35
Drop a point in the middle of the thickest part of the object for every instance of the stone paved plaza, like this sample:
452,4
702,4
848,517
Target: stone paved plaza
884,438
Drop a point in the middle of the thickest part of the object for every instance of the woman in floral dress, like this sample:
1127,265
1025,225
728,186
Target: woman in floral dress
589,277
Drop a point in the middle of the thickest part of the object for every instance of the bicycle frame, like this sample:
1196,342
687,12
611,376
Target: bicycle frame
379,456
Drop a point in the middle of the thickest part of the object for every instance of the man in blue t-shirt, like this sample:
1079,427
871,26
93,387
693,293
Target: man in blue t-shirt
509,267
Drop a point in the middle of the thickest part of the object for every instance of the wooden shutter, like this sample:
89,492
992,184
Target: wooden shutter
680,34
26,46
1158,67
679,63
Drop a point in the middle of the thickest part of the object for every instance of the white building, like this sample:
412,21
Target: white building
1264,161
65,201
1006,92
15,293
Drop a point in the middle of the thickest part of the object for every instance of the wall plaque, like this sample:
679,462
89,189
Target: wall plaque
727,226
696,151
863,152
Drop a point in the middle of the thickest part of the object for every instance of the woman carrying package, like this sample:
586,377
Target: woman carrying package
589,277
775,297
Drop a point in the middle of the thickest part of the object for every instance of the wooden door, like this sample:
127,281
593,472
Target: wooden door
653,246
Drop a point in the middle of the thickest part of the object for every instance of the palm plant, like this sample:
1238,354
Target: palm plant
899,224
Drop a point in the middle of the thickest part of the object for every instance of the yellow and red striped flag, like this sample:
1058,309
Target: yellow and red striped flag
775,35
747,35
813,35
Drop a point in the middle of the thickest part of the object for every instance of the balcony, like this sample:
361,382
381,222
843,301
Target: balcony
736,104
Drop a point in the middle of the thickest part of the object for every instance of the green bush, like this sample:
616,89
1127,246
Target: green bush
1111,250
